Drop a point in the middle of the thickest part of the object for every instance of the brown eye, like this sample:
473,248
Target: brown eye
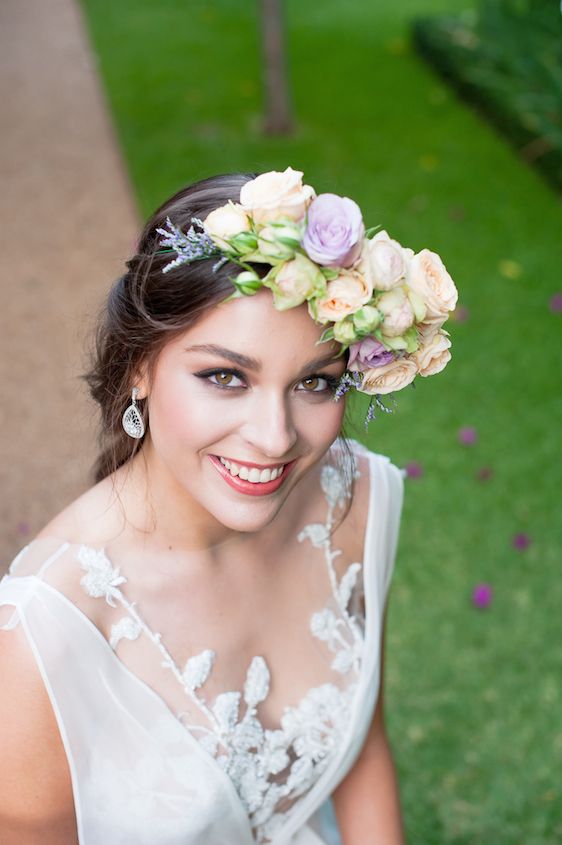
223,378
311,383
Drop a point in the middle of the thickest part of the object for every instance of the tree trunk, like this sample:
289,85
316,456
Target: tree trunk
278,118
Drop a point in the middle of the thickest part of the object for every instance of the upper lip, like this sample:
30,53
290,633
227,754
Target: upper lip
251,463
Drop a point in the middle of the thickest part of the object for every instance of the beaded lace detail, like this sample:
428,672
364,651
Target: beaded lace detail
270,769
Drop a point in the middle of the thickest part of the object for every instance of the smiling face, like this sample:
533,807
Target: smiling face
241,408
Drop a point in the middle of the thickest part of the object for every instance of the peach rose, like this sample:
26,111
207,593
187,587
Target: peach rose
383,261
344,295
392,376
428,328
432,357
273,195
226,221
428,277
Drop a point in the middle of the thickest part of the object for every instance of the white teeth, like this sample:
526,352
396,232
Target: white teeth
252,474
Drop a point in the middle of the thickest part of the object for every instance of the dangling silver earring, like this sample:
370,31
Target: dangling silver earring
133,422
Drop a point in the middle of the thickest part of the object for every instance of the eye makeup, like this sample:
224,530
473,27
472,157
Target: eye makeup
206,375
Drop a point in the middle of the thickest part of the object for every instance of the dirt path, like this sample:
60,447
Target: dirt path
67,222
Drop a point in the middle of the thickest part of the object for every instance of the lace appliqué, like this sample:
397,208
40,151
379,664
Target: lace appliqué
126,628
340,631
270,769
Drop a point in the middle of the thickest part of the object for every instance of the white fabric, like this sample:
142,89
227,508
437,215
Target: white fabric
209,752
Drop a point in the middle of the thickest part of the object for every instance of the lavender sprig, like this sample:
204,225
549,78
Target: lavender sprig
350,378
384,408
189,246
376,400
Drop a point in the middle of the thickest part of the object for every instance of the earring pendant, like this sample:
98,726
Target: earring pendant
132,421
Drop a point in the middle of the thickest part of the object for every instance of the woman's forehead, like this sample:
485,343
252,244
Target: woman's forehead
252,326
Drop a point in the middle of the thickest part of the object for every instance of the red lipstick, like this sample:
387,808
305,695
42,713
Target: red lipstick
247,487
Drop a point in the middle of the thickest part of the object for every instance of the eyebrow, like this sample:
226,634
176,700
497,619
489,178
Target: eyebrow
249,363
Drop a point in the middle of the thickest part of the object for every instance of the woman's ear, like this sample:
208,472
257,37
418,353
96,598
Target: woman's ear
141,381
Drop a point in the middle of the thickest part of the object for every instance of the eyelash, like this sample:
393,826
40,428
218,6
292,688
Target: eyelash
332,381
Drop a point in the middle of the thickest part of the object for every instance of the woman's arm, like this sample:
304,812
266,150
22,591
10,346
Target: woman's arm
36,802
366,802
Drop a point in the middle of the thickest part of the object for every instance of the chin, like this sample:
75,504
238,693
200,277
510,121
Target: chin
250,516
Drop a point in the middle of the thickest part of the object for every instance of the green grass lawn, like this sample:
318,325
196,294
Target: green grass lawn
473,697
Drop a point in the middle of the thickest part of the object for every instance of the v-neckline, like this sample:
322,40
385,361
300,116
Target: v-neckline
359,684
148,690
162,704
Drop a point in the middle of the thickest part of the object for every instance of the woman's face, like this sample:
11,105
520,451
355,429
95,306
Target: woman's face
241,407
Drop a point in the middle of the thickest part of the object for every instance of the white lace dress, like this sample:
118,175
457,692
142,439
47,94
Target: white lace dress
163,752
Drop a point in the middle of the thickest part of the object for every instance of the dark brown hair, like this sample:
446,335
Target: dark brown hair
146,308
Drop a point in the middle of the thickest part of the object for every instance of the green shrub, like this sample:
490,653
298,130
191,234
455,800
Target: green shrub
506,57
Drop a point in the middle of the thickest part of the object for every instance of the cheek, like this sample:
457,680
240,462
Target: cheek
172,411
182,413
322,423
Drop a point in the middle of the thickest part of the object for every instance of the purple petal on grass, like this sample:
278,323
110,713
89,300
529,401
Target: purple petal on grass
484,473
482,596
414,470
467,436
457,212
521,541
555,303
460,314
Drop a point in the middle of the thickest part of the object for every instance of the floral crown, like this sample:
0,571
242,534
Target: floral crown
375,297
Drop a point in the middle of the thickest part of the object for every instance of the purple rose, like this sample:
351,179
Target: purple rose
334,232
368,353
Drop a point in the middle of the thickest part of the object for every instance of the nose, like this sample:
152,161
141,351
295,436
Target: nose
269,426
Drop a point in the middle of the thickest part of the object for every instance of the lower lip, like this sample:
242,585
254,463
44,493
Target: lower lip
247,487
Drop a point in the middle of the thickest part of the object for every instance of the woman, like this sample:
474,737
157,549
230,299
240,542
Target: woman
191,651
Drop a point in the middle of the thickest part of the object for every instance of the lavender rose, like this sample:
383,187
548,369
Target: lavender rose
367,354
334,232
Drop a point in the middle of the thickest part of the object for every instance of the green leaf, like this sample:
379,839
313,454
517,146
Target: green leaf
244,242
292,243
236,294
327,334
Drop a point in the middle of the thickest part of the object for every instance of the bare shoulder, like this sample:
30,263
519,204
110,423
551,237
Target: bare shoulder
91,518
36,801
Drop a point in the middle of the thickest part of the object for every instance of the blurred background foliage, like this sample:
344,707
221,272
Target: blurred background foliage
473,695
505,56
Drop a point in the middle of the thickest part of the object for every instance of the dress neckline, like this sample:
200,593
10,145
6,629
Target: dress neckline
366,687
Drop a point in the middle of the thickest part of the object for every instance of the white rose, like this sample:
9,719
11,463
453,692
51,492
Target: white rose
226,221
383,261
428,276
397,310
344,295
273,195
392,376
432,357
